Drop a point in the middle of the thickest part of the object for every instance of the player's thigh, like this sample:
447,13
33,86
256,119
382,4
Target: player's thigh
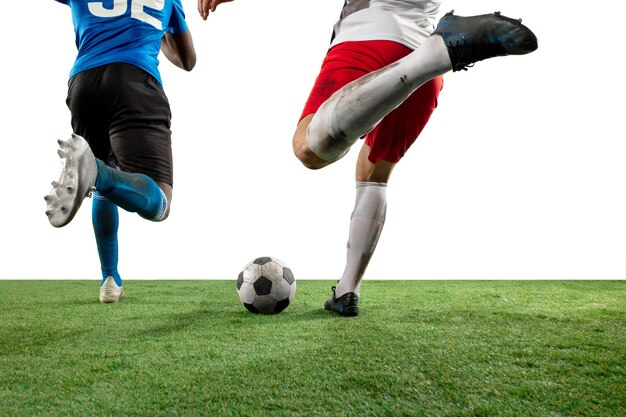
139,131
90,117
394,135
342,64
145,150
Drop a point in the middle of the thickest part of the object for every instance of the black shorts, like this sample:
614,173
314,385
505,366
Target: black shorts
124,114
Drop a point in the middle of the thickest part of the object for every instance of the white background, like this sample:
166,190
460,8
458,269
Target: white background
520,173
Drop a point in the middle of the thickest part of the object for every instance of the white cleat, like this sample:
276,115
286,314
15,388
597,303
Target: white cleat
110,292
77,180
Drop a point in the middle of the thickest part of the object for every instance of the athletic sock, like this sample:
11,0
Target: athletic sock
133,192
105,220
366,224
358,107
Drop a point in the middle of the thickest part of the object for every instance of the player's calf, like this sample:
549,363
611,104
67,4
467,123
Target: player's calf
308,158
134,192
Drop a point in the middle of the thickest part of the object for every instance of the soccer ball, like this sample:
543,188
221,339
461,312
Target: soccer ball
266,286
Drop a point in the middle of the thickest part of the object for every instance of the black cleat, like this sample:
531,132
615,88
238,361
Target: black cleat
475,38
347,305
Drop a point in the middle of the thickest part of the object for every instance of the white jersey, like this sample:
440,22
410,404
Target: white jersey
408,22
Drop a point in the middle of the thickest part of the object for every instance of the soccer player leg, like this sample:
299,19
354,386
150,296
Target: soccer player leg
366,225
82,173
384,146
134,192
105,221
358,107
140,141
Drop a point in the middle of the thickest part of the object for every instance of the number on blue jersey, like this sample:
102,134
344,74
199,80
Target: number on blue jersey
137,11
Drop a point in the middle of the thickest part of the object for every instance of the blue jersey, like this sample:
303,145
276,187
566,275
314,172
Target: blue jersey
127,31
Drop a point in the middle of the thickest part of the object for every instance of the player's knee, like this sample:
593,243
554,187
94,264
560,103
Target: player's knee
162,217
301,148
156,218
308,157
160,210
312,162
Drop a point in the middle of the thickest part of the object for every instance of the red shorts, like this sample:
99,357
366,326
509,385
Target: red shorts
346,62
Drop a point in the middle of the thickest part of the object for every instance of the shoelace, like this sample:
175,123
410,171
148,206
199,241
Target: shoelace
476,50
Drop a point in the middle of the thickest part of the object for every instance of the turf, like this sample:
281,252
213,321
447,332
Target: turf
418,348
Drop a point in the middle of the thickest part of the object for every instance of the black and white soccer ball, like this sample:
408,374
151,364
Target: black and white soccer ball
266,285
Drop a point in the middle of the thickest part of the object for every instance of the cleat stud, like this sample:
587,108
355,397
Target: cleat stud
54,184
497,13
63,208
519,20
47,198
48,213
69,188
62,153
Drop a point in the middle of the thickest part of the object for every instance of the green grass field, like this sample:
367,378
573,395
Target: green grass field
418,348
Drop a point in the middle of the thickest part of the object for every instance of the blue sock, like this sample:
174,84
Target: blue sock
105,220
136,193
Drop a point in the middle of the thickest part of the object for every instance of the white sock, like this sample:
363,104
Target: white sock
366,224
358,107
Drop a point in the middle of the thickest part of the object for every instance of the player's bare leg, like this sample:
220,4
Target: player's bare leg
366,225
358,107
